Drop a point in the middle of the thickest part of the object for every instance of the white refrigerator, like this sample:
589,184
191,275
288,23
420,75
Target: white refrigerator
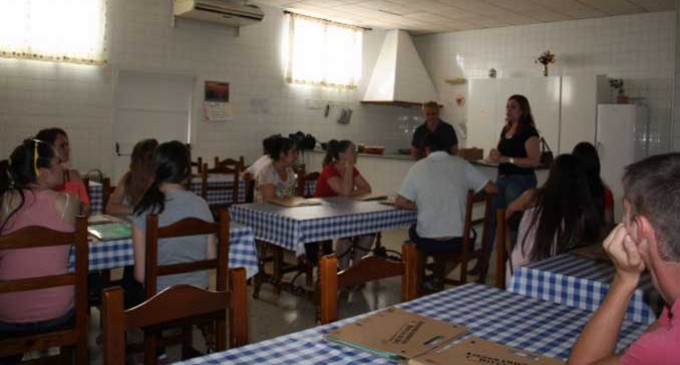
621,139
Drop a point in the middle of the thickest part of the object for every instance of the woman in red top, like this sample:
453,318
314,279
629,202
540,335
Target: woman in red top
73,183
339,177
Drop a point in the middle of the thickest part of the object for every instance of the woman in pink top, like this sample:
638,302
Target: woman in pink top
72,182
27,198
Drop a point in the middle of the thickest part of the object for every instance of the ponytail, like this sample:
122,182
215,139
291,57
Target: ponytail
20,171
333,150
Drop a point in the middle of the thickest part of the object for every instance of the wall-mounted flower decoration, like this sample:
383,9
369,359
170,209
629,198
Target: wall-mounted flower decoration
545,59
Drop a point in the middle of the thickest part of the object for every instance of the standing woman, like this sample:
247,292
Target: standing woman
340,177
277,179
133,184
72,183
518,154
168,198
27,198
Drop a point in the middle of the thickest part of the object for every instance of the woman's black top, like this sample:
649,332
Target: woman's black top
514,147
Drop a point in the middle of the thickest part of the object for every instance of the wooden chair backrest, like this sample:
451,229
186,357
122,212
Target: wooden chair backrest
179,303
107,190
33,237
485,220
370,268
502,248
198,164
303,180
186,227
235,172
249,184
230,162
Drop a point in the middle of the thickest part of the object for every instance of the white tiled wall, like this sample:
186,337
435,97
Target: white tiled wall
636,48
34,95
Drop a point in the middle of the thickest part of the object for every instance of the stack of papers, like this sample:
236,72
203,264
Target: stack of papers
403,336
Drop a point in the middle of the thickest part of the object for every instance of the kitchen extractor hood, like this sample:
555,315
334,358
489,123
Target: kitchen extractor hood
399,76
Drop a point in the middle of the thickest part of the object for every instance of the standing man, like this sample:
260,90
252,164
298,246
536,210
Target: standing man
433,125
646,240
437,186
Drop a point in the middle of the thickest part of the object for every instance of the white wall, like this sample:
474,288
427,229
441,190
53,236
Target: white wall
35,95
637,48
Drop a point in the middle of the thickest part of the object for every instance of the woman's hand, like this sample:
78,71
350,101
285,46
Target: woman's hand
494,155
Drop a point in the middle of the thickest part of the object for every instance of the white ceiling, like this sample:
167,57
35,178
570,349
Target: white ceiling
434,16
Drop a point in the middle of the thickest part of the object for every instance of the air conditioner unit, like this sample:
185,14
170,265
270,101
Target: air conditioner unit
219,11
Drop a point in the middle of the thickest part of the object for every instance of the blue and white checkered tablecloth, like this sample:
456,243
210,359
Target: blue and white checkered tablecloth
119,253
214,196
291,228
582,282
507,318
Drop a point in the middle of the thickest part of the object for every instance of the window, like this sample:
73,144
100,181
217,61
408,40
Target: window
321,52
53,30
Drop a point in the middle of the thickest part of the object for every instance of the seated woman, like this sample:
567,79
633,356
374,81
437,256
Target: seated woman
72,183
602,195
27,198
562,216
339,177
168,198
277,179
133,184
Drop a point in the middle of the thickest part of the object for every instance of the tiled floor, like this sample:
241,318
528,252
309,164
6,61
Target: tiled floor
271,316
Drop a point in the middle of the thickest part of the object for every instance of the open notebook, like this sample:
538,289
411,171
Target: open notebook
370,196
110,231
295,202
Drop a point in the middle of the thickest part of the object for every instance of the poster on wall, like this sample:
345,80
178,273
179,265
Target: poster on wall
216,104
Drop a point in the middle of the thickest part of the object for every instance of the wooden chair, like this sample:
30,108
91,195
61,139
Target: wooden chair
185,227
177,304
305,179
71,336
466,255
369,269
235,172
503,249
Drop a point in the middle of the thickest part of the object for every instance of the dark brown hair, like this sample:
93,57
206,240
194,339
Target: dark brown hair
652,187
172,164
565,216
526,119
141,170
333,150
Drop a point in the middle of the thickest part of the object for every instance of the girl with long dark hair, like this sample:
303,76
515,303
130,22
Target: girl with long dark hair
563,216
168,198
602,195
27,198
132,186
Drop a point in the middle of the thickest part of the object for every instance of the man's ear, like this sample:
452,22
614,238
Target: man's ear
641,229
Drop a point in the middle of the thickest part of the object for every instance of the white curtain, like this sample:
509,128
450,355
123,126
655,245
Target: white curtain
54,30
322,52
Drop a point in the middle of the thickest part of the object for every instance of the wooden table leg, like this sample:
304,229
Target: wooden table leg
278,268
